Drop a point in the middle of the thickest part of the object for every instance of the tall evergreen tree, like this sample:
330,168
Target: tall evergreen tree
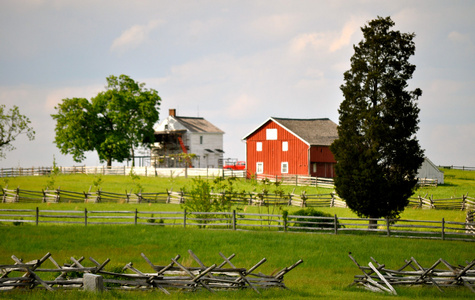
377,152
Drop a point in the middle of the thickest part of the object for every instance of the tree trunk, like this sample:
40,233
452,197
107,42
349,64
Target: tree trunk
109,163
373,224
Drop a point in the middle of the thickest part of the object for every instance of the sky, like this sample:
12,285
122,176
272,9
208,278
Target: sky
234,63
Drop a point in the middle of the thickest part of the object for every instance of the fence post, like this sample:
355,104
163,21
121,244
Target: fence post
85,217
387,227
37,215
335,223
135,219
234,219
17,196
443,229
184,218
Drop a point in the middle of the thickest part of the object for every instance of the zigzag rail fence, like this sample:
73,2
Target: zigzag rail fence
378,278
172,276
464,202
237,220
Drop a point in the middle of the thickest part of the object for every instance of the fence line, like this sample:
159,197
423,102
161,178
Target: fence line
464,168
122,170
250,198
171,276
460,203
236,220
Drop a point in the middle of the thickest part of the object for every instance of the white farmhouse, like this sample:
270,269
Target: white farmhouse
191,135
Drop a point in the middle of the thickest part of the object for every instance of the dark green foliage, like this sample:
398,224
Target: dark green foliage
377,152
311,222
113,123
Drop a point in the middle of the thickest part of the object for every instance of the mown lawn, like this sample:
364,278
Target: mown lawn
326,272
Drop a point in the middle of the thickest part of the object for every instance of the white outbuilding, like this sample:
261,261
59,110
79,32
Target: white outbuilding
429,170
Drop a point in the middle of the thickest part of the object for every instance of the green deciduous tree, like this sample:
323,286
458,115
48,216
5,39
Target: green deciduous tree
12,124
113,123
377,152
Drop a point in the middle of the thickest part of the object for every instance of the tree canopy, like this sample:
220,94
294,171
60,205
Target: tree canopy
377,152
112,123
12,124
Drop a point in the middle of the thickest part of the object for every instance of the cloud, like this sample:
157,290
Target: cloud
241,106
458,37
55,96
328,41
134,37
345,35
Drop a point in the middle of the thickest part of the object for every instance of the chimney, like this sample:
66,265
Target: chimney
172,112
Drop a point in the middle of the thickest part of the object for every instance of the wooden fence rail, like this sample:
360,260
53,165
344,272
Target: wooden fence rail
378,278
173,275
235,220
122,170
177,197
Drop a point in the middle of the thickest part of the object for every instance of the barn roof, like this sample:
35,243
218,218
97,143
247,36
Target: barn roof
198,125
321,132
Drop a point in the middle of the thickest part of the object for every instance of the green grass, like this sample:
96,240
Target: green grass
457,183
326,272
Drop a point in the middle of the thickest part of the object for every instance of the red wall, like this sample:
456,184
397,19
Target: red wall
272,155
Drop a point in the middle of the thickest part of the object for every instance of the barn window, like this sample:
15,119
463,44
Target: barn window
259,146
284,168
285,146
260,168
271,134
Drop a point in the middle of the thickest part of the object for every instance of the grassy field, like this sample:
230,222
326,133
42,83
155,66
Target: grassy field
457,183
326,272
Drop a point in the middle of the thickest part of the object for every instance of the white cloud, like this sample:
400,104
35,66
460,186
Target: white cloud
241,105
308,40
55,96
346,34
134,37
458,37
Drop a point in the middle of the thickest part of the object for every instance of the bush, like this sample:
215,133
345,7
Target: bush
311,222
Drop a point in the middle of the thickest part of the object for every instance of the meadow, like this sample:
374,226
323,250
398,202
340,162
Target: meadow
326,272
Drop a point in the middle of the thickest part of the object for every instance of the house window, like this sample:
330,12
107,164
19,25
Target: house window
285,146
201,140
260,168
271,134
259,146
166,126
284,168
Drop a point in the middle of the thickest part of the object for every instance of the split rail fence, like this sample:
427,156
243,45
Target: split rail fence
378,278
237,220
174,275
168,196
177,197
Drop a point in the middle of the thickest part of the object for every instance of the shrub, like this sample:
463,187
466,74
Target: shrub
311,222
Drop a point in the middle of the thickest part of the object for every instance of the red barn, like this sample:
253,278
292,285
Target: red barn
292,146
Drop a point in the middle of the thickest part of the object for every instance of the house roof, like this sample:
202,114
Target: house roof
321,132
198,125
